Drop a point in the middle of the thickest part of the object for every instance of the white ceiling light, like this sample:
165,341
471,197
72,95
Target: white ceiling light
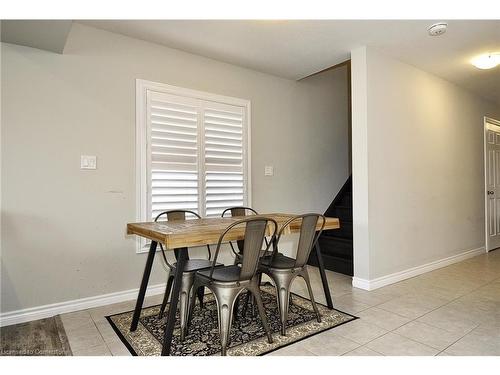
486,61
437,29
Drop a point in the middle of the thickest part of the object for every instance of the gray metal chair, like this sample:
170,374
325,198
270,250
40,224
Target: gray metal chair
241,211
283,270
192,265
227,283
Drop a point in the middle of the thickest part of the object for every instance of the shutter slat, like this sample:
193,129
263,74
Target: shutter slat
225,129
224,167
171,142
173,112
175,198
174,190
161,122
224,197
180,167
182,133
224,204
176,150
223,135
170,105
226,190
227,148
223,141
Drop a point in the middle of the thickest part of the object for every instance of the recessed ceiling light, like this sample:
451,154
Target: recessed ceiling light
437,29
486,61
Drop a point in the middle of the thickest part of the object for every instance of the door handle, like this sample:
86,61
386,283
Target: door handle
490,192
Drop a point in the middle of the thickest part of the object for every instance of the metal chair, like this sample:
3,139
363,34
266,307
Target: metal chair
283,270
240,211
192,265
227,283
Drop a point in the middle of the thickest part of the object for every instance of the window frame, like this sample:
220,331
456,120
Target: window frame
143,147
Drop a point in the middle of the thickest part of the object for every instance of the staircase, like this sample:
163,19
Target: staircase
336,244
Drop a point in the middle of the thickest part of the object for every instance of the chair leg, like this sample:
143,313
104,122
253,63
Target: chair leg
282,281
305,276
225,305
166,295
187,284
236,308
250,297
201,293
260,306
245,304
192,303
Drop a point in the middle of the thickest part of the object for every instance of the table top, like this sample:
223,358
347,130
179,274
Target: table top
206,231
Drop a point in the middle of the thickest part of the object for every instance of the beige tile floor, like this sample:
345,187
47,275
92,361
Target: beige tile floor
451,311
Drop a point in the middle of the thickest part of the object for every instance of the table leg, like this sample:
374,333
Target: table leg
172,309
324,280
144,285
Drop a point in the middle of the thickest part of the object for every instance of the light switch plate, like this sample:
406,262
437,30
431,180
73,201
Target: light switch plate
268,170
88,162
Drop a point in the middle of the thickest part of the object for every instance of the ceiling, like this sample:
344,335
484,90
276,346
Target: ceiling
49,35
295,49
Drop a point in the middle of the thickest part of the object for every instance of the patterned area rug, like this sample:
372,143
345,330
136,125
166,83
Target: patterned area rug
247,333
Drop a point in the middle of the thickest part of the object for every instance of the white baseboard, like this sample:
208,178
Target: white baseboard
45,311
379,282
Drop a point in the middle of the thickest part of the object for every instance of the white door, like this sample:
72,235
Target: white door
492,182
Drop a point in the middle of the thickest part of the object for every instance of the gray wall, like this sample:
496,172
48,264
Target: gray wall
63,229
417,168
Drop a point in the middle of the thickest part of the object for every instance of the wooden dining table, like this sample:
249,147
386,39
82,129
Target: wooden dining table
199,232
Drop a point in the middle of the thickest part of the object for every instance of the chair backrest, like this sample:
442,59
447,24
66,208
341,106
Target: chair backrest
177,215
308,235
239,211
255,232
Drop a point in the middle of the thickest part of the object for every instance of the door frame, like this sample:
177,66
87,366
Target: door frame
487,121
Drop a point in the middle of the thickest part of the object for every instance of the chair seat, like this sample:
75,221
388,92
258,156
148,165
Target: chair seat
261,254
223,274
280,262
193,265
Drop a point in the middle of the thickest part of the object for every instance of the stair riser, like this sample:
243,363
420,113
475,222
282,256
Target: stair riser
334,247
334,264
345,231
346,201
343,213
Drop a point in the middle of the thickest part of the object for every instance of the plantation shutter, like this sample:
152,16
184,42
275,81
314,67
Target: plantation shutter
174,170
224,157
197,154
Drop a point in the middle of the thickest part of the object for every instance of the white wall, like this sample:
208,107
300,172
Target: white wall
63,229
418,158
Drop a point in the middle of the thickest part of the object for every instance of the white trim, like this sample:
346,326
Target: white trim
140,160
247,159
415,271
176,90
489,124
45,311
141,149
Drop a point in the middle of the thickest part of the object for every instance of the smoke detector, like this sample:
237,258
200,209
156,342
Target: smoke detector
437,29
